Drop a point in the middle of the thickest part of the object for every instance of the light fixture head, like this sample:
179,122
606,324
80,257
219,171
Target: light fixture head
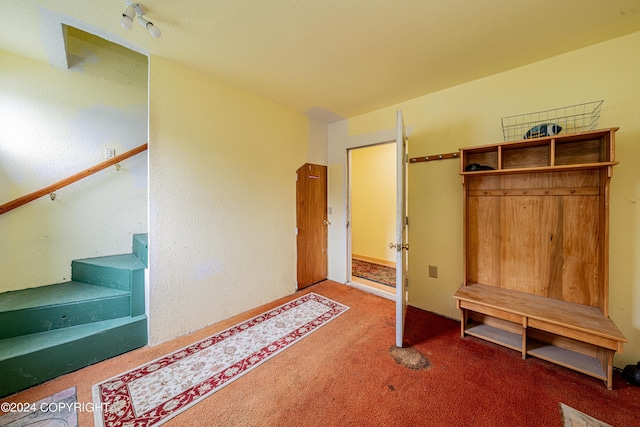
130,13
153,30
127,18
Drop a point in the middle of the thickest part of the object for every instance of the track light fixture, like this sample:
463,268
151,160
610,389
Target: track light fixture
129,15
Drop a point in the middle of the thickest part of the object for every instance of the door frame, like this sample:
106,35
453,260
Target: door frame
391,295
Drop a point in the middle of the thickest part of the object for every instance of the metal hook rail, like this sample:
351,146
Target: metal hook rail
445,156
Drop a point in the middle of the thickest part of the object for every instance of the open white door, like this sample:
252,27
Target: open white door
402,228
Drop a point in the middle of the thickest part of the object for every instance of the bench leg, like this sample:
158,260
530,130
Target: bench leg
609,370
525,323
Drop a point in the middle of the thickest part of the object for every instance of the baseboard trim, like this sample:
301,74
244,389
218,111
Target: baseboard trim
372,290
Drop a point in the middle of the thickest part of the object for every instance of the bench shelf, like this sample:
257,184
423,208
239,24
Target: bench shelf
495,335
569,359
536,249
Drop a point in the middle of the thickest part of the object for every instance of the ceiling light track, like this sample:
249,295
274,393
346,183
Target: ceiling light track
130,13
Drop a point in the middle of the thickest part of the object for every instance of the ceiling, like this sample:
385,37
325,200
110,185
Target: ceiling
331,59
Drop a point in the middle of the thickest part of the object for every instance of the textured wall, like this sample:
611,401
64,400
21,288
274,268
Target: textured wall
470,115
222,168
54,123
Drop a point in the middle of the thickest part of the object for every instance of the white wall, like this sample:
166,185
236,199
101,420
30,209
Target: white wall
469,115
317,149
53,124
222,199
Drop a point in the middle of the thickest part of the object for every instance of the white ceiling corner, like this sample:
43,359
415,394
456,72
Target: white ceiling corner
323,115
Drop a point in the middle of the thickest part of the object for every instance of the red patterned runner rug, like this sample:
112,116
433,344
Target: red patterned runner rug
153,393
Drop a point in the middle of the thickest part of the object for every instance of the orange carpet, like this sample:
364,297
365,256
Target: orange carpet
343,375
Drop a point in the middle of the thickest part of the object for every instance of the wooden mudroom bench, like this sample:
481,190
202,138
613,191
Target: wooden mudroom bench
536,248
571,335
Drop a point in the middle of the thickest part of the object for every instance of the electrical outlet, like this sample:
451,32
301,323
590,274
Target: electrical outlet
433,271
109,153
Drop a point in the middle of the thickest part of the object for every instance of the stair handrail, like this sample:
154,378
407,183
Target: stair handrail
70,180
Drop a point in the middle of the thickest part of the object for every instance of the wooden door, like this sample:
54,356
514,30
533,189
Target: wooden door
311,224
402,228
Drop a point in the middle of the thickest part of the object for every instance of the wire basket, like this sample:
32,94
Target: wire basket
572,119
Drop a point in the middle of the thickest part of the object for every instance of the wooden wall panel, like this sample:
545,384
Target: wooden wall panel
574,152
580,250
526,157
576,179
487,182
525,181
483,240
551,247
528,254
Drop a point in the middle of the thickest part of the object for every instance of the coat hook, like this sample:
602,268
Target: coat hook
52,195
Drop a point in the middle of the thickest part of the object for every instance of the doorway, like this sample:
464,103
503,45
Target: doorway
372,204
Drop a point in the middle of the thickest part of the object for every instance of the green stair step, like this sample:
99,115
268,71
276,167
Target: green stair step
123,272
113,271
33,310
52,330
141,248
33,359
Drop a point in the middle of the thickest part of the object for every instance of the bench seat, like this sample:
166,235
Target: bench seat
576,336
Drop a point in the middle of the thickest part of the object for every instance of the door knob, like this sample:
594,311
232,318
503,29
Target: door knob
399,247
325,222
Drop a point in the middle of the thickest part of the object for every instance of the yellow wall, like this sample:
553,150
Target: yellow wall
470,114
222,168
54,123
373,201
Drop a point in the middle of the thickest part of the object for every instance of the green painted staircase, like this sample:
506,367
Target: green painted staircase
52,330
